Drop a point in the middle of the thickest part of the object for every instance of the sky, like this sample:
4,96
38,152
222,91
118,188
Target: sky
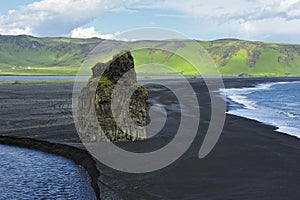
262,20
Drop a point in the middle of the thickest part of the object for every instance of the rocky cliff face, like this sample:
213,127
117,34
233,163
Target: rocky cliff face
120,104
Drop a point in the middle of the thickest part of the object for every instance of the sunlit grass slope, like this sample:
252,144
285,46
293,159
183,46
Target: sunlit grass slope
26,55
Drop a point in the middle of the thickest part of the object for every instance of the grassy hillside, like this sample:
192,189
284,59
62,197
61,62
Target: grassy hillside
235,57
26,55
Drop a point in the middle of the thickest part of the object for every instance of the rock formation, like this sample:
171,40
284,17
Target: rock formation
120,103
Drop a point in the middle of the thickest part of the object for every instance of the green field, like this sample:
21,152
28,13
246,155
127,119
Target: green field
26,55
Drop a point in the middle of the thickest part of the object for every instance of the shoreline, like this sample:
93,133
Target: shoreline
78,156
248,156
231,103
16,82
35,82
274,128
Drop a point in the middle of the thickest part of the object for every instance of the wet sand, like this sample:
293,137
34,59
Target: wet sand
250,160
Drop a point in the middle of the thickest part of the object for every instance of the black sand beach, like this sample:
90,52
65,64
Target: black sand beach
250,160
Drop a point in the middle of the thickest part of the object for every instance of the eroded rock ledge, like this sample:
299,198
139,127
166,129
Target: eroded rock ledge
120,103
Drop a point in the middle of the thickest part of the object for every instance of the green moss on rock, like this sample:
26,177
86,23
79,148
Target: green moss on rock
116,78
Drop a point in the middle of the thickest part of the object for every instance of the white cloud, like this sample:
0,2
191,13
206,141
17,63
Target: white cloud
17,31
277,25
91,32
236,18
248,27
50,16
245,19
232,10
56,17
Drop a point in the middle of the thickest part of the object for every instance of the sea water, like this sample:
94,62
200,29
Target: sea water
36,78
276,104
29,174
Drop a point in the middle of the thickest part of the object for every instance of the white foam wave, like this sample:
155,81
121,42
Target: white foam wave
243,100
270,117
286,122
291,115
248,90
289,130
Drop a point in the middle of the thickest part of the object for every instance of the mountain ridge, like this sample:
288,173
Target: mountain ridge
29,55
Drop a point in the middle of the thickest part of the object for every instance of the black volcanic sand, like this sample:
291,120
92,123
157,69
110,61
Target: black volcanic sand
250,160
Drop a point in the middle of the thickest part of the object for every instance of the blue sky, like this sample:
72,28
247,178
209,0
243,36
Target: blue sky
274,21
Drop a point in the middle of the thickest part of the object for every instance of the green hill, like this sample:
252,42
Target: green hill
26,55
235,57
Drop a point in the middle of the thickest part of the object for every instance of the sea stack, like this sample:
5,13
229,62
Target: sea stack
120,104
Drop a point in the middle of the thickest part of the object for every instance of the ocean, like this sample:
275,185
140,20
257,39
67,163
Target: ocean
30,174
36,78
276,104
